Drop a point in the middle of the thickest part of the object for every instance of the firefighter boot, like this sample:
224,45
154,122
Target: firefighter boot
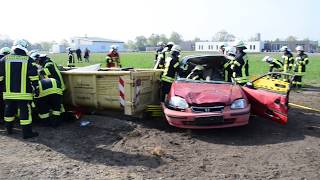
28,133
9,127
55,121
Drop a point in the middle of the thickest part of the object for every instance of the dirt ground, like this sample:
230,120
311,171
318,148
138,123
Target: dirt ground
122,148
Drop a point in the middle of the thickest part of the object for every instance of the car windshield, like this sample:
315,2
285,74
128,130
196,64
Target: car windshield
203,69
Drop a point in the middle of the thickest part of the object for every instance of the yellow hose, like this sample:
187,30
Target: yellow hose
304,107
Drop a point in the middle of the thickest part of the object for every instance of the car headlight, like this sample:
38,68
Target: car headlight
239,104
178,103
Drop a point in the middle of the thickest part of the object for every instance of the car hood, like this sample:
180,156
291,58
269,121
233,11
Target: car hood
207,93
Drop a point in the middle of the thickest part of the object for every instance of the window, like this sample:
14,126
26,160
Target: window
217,47
250,47
209,47
254,47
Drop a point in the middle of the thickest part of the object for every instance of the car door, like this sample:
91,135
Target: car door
269,96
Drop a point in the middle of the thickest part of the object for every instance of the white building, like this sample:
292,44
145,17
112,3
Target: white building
95,44
252,46
58,48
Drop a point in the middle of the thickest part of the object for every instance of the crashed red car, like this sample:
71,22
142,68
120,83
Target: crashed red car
214,103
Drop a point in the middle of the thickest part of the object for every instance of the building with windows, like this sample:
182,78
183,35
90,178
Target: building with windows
252,46
95,44
274,46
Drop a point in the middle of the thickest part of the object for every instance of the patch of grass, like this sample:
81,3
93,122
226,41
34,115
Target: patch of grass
145,60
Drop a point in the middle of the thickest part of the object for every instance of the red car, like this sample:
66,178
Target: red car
201,99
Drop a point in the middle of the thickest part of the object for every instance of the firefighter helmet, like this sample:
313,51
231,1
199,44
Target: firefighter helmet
20,44
5,51
299,48
240,44
170,44
284,48
268,59
230,50
160,43
176,48
34,55
114,47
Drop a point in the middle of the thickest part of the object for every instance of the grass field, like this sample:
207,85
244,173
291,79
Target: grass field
145,60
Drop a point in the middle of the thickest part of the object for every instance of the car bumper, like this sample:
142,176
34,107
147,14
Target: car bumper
191,120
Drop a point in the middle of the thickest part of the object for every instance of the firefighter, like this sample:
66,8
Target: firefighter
113,57
50,69
170,70
49,101
167,49
86,54
4,51
71,61
19,87
241,64
79,55
275,64
160,56
300,66
230,54
287,59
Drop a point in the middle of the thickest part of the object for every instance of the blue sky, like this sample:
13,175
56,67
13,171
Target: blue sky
125,19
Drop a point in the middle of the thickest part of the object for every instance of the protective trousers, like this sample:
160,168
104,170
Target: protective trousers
18,107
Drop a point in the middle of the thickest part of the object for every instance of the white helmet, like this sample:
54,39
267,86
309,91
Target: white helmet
176,48
267,59
5,51
230,50
223,44
20,44
170,44
160,43
299,48
114,47
34,55
240,44
284,48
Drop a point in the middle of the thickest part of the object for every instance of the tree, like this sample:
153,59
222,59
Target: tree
65,43
277,40
223,35
163,38
153,40
46,46
176,38
141,43
130,45
291,38
196,39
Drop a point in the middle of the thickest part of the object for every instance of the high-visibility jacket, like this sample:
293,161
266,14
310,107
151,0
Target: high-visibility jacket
113,59
160,56
287,61
51,71
49,86
241,67
170,70
300,64
19,77
275,65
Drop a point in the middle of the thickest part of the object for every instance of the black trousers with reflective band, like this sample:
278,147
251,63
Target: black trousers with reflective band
165,89
18,108
49,104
